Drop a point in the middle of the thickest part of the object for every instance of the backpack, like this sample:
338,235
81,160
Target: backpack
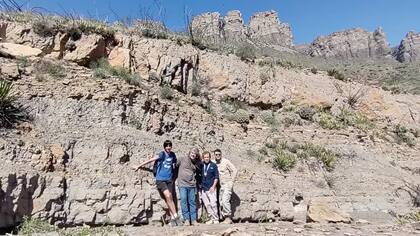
157,164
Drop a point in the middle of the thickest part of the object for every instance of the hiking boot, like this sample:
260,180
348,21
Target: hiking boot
194,223
227,220
187,223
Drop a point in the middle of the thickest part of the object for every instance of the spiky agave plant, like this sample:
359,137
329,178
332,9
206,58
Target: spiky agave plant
9,111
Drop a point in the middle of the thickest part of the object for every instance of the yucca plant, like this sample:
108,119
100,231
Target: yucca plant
9,112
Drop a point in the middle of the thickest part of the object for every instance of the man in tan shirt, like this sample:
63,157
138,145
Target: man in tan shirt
227,175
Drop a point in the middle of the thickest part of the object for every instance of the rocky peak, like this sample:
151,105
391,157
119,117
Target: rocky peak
409,48
264,28
352,43
234,27
208,25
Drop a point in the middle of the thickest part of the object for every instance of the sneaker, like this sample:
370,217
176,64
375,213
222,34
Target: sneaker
187,223
194,223
227,220
215,222
179,221
209,222
172,222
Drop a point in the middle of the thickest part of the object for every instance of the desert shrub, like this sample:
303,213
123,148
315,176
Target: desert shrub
44,27
240,116
314,70
151,29
336,74
306,112
283,160
328,121
286,64
354,97
327,157
403,135
166,92
94,27
50,68
411,217
331,180
246,51
102,69
357,120
35,226
269,118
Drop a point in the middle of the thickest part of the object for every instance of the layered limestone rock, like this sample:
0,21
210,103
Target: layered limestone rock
264,28
350,44
409,49
208,26
234,28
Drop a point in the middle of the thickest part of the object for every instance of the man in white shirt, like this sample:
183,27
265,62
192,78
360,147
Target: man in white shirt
227,175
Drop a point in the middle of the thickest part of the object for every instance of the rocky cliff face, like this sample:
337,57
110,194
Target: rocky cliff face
71,163
264,28
409,49
349,44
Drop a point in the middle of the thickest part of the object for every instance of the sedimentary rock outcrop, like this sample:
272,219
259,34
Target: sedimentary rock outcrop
349,44
264,28
409,49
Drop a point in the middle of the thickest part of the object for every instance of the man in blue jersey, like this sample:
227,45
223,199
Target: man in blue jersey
164,174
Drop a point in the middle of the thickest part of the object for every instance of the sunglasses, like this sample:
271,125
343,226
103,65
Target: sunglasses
217,154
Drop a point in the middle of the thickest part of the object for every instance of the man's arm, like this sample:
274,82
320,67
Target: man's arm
216,180
155,158
232,169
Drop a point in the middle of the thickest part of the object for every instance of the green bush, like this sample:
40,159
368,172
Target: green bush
35,226
166,92
53,69
306,112
246,51
403,135
44,27
336,74
240,116
328,121
269,118
327,157
283,161
151,29
102,69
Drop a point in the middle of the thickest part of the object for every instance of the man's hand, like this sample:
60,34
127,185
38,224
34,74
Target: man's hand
212,189
135,168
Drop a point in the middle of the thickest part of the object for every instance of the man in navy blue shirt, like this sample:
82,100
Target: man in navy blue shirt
209,180
165,162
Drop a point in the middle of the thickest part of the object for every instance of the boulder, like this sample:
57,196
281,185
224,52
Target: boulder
85,50
322,212
16,50
119,57
10,70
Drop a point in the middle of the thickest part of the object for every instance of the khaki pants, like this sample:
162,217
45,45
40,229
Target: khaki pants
210,202
224,198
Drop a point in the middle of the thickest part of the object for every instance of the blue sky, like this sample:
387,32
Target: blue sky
308,18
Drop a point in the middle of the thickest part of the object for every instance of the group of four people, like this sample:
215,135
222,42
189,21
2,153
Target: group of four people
195,175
